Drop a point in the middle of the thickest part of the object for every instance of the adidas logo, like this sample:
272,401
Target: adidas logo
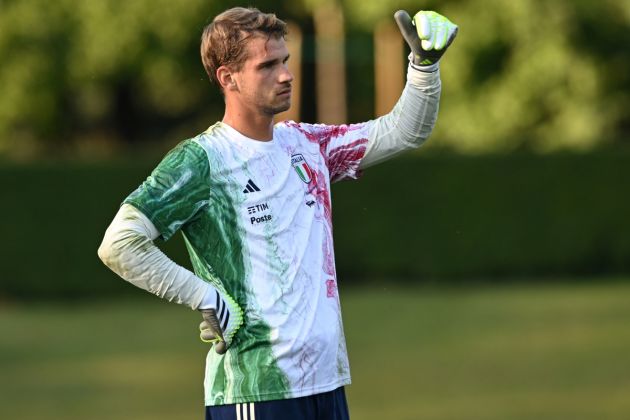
251,187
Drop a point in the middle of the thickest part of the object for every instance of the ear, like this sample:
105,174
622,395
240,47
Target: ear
226,78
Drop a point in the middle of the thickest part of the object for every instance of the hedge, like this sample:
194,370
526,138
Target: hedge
421,217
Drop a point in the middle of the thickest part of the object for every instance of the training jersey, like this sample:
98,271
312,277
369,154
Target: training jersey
256,218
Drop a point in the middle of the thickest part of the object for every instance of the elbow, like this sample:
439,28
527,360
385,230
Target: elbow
105,252
421,139
423,132
415,139
120,246
109,251
414,128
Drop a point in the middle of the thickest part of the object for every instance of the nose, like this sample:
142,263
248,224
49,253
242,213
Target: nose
285,75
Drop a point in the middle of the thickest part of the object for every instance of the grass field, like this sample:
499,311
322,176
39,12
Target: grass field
514,352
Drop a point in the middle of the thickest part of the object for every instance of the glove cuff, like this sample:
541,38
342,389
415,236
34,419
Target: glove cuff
426,69
209,300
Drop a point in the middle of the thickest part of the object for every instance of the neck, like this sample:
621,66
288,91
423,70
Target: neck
251,124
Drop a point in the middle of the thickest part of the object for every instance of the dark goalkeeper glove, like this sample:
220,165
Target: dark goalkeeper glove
428,35
221,324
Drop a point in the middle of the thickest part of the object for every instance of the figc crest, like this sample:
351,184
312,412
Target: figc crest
302,168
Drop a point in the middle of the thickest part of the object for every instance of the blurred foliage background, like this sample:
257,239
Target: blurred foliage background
503,245
84,77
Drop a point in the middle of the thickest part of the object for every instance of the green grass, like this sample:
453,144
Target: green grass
514,352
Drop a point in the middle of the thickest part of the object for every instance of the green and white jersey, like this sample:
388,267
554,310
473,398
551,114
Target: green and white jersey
256,218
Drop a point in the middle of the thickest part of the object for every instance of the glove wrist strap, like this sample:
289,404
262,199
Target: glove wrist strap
426,69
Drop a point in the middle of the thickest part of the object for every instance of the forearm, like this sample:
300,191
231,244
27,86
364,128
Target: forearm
411,121
129,251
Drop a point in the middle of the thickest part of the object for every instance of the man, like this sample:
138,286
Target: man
252,199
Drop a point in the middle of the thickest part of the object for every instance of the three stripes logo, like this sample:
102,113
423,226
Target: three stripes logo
250,187
223,314
245,411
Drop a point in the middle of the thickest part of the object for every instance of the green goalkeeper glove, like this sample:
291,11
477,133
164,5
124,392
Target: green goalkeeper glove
428,35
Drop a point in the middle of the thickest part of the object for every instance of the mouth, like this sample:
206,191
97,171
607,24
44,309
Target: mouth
284,92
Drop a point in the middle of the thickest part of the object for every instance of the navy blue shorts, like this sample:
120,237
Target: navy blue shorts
327,406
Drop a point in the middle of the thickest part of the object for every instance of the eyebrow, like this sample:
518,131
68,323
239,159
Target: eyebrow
273,61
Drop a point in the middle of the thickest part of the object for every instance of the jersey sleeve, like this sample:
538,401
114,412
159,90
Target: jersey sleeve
410,122
342,146
176,189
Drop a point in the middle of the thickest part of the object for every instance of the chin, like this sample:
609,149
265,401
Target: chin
281,108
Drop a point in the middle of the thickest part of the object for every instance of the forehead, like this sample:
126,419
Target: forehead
261,48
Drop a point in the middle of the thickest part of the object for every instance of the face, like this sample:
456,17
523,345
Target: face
264,82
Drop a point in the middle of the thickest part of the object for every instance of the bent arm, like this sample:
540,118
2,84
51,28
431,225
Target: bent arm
129,251
411,121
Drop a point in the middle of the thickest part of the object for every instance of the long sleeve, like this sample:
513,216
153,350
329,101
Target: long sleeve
129,251
409,123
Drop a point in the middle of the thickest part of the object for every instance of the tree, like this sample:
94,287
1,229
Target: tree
529,73
522,74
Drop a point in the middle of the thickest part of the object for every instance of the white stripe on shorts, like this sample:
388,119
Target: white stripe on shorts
245,411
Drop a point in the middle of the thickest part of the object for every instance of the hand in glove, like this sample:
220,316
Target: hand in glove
428,35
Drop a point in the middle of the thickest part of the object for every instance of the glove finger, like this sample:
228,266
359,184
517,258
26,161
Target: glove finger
208,336
205,325
220,347
428,29
423,25
427,44
440,36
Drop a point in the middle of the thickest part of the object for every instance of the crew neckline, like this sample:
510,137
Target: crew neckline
236,135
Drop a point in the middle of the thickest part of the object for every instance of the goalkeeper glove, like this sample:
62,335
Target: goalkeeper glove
221,324
428,35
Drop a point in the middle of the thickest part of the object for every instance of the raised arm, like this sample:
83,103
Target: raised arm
413,117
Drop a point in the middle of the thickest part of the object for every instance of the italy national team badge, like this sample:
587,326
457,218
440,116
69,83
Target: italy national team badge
302,168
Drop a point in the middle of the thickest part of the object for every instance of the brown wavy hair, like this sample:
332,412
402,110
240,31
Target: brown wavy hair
223,40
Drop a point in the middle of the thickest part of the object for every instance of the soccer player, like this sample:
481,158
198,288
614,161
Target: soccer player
252,199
